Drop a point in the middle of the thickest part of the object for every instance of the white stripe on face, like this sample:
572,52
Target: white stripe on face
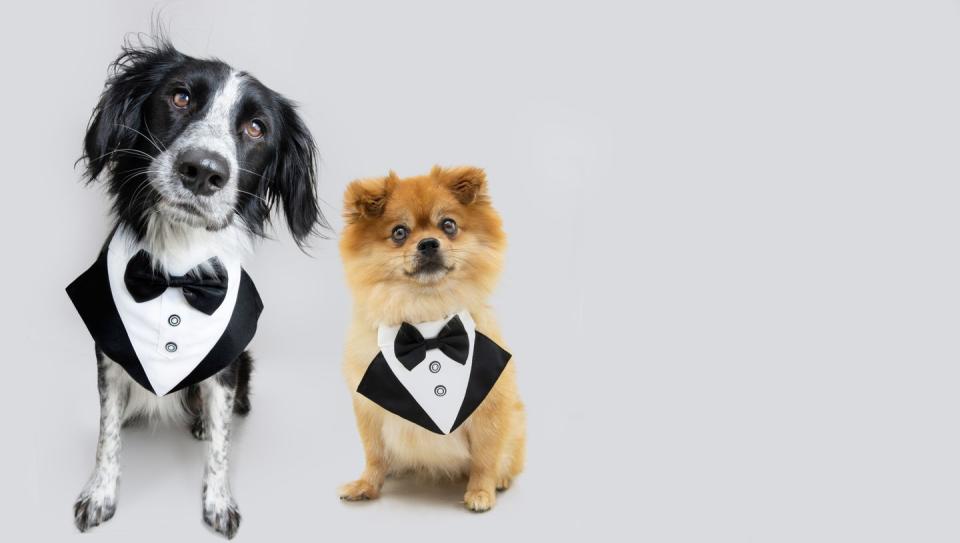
214,132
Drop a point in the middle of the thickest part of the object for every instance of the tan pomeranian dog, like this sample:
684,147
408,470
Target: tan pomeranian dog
434,391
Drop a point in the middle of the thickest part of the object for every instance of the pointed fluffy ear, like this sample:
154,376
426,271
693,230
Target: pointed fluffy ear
467,183
367,198
292,176
117,120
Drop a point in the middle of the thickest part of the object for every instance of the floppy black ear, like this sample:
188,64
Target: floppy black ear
293,176
116,124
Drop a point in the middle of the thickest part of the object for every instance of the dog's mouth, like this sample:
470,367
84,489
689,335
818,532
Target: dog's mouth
429,270
189,208
192,214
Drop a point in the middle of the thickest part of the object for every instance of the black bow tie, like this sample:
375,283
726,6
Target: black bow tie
204,290
411,348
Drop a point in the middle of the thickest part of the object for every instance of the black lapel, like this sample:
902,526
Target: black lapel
90,294
381,386
240,330
489,360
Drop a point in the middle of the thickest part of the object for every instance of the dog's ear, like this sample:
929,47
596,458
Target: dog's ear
292,176
367,198
468,184
116,124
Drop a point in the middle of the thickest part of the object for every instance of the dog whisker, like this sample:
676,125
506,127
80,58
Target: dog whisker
257,196
133,199
135,152
251,171
148,138
267,179
146,124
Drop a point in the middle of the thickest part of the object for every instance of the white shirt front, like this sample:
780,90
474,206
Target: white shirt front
169,336
438,383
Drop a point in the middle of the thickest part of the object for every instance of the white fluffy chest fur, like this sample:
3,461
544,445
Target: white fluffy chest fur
141,402
168,409
412,448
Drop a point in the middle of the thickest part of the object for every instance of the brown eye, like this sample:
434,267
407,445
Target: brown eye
449,227
181,98
399,234
254,129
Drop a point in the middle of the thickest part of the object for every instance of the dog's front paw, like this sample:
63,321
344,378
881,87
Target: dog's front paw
359,490
93,507
199,429
221,513
478,500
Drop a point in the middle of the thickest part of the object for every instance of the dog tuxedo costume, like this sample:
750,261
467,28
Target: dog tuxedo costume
167,328
434,374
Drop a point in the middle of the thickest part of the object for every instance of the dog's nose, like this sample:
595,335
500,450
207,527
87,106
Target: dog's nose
428,246
202,172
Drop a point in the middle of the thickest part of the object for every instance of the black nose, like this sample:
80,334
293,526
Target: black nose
428,246
202,172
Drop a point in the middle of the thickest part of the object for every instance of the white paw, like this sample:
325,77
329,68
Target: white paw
95,505
220,511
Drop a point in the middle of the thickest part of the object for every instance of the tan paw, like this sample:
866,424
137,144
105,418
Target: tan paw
503,483
478,500
359,490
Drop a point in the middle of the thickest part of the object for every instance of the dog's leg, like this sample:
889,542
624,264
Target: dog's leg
220,511
243,367
98,500
241,405
487,439
515,450
367,487
194,403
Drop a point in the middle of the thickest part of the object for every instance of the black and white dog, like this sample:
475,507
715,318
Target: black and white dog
195,155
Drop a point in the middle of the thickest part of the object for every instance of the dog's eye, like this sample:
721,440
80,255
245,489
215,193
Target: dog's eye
181,98
449,227
399,234
254,129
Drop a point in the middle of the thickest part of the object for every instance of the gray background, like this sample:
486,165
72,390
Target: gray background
731,287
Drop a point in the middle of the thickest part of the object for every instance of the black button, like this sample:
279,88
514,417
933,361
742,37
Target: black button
171,347
173,320
440,390
434,367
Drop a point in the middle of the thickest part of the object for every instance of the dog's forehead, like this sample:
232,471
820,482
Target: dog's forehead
253,87
419,201
218,77
208,70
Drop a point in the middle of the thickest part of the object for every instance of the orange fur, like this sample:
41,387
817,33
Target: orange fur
489,447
